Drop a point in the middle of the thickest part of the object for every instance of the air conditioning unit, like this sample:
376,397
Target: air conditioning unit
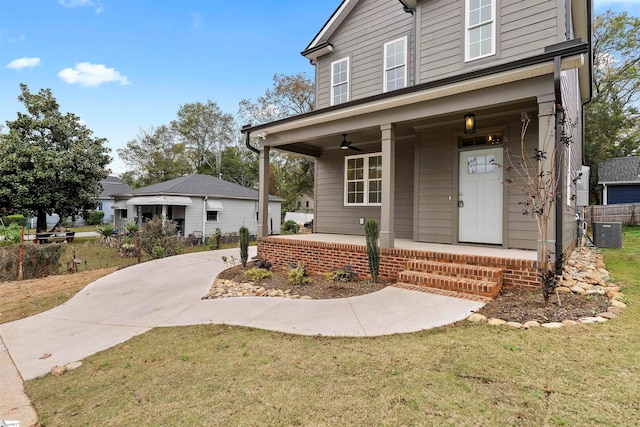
607,234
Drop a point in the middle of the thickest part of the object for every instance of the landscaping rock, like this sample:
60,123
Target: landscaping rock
578,290
563,289
595,292
73,365
228,288
615,310
516,325
592,320
608,315
616,303
497,322
56,371
570,323
531,324
552,325
477,318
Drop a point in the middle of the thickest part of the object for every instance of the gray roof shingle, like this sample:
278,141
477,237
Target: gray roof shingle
200,185
112,185
620,169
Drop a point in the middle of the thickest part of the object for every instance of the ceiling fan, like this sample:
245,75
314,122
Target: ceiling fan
346,145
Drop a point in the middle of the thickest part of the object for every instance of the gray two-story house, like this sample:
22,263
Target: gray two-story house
418,105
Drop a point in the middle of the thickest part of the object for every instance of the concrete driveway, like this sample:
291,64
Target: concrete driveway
168,292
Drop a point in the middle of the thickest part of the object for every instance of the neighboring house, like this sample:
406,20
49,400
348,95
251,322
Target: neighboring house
111,186
305,203
396,84
619,179
198,204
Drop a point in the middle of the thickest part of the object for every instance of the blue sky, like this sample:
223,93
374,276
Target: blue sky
125,64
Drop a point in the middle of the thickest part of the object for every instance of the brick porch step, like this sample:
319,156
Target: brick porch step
462,278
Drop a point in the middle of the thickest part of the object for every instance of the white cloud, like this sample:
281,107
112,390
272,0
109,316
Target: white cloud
25,62
75,3
87,74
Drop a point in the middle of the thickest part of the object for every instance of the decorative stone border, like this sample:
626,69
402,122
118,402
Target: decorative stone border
228,289
584,273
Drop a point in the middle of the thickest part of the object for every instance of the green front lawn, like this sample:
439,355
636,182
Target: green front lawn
465,374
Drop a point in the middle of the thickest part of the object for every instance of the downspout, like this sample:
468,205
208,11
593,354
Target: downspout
204,216
247,132
559,111
414,59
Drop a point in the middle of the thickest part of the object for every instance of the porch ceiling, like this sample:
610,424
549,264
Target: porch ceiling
361,137
419,246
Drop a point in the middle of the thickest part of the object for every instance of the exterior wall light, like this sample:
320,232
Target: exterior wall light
469,123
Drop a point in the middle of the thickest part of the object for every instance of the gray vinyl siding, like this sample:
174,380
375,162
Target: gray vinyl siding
523,29
522,232
435,185
361,38
573,108
333,217
193,216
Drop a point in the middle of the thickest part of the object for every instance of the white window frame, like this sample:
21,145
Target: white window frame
405,63
468,28
366,179
347,82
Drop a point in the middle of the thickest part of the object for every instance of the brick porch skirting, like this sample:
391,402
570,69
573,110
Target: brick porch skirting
322,257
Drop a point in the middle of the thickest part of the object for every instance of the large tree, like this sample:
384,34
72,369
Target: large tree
153,156
612,121
49,161
205,130
290,174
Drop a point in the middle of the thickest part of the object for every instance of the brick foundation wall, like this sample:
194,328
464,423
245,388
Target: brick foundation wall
321,257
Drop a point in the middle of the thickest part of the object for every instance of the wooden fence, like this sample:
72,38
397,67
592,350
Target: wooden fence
627,214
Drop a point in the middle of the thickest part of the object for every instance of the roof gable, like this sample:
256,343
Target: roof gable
330,26
620,169
112,185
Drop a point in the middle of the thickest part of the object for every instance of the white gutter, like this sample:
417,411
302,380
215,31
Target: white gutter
532,71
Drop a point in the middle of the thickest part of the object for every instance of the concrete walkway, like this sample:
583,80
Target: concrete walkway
167,292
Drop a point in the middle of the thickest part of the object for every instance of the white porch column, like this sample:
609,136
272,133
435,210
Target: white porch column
387,218
546,144
263,194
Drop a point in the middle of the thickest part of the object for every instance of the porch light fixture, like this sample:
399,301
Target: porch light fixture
469,123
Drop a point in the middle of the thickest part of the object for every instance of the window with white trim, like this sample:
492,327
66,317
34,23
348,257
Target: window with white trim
340,81
395,64
212,215
480,33
363,180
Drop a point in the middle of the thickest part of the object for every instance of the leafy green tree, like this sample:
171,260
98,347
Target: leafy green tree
239,165
204,129
290,174
153,156
612,120
49,161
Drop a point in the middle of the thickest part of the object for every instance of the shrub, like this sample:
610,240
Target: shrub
257,274
131,227
129,247
38,261
10,234
163,234
345,274
244,245
95,217
290,227
298,275
157,252
106,236
15,219
373,253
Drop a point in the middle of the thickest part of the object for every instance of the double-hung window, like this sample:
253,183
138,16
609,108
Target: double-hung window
395,64
340,81
363,180
480,32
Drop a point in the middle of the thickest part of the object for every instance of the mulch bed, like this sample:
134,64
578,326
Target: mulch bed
514,305
319,288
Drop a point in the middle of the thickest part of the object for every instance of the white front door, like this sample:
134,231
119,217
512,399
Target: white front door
480,196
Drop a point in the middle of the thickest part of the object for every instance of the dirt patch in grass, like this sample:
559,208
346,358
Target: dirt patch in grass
319,287
29,297
521,306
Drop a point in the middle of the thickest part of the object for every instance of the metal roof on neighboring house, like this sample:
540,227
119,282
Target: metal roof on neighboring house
112,185
620,169
200,185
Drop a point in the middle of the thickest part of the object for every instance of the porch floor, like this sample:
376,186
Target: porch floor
419,246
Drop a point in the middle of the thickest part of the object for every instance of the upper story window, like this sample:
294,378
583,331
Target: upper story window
480,33
363,180
340,81
395,64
